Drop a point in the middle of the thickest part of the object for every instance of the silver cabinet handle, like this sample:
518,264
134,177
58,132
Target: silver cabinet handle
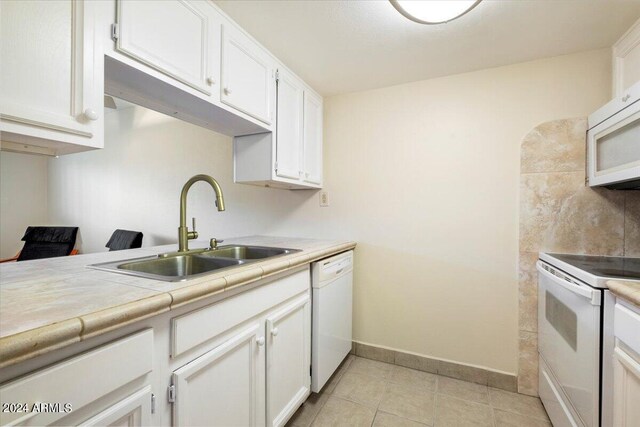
626,98
228,91
211,81
91,114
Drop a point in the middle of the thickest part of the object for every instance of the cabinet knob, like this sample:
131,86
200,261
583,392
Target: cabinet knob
274,332
91,114
228,90
260,341
626,98
211,81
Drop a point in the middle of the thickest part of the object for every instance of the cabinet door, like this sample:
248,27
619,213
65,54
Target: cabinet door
247,76
312,139
178,38
626,388
135,410
47,71
288,360
225,386
288,126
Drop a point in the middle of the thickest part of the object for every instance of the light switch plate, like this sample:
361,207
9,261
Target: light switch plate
324,199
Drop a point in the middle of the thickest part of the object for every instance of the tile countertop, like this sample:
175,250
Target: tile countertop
626,289
50,303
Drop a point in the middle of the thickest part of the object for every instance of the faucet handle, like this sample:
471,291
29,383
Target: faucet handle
193,234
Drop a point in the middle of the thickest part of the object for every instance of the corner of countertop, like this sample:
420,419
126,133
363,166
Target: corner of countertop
34,342
626,289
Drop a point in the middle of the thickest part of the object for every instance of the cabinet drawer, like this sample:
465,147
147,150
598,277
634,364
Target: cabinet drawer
79,380
626,326
197,327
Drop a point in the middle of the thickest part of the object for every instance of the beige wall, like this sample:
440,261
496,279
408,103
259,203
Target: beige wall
425,177
23,198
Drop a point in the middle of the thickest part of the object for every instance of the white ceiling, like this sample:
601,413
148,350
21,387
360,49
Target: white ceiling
347,46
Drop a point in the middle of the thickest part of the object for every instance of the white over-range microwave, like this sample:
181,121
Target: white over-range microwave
613,143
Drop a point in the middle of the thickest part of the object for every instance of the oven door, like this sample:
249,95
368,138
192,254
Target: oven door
569,339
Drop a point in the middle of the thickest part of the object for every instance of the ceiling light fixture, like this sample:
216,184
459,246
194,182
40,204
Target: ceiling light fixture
433,11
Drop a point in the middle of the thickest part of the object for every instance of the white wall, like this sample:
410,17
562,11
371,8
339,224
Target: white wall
23,198
135,182
424,176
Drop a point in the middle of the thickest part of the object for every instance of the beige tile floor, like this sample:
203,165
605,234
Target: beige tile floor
365,392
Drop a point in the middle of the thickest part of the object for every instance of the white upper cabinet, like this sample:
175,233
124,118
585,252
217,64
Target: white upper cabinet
248,78
312,140
178,38
50,88
184,58
289,126
290,158
626,60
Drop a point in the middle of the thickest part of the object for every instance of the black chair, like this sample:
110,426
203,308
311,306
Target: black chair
124,239
46,242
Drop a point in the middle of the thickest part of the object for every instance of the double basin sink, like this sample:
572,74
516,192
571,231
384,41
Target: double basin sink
178,266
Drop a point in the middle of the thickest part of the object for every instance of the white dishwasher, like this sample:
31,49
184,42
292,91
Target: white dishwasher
332,282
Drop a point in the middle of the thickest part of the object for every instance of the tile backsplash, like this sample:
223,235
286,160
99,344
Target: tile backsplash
559,213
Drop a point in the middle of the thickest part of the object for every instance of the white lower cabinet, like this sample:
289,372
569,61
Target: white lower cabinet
256,370
288,360
225,386
626,366
84,384
626,388
135,410
242,361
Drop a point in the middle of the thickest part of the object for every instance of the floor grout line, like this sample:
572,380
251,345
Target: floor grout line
435,410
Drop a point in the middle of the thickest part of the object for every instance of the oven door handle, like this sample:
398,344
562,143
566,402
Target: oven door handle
582,290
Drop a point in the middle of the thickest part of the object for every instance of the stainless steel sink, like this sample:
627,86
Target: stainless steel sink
172,268
175,267
247,252
183,265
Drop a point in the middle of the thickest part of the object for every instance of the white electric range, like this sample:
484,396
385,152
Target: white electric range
575,335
